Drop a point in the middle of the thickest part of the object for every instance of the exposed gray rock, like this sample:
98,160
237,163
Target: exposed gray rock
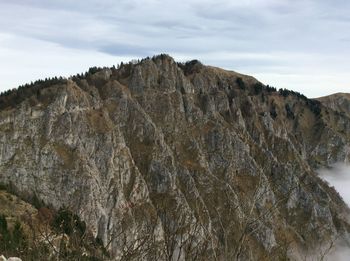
184,160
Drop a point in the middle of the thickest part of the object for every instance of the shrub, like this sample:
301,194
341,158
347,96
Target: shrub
240,83
273,112
67,222
13,242
191,67
11,98
94,69
270,88
18,237
314,106
45,215
257,87
289,112
3,224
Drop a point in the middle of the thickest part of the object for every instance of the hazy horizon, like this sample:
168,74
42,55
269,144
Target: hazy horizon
299,45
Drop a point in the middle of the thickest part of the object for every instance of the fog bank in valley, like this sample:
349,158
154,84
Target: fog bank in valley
338,176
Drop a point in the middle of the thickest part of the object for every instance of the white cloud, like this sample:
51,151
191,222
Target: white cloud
339,254
35,59
269,39
338,176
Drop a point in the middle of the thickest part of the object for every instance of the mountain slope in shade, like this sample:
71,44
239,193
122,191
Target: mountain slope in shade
179,161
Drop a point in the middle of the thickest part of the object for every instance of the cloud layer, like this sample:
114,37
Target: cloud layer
300,45
339,177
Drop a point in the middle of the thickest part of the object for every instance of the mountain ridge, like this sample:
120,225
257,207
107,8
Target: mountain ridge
338,101
207,158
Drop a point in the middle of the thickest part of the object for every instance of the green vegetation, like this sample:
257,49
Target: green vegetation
69,223
289,112
13,240
313,105
273,111
191,67
258,88
13,97
270,88
47,235
80,242
240,83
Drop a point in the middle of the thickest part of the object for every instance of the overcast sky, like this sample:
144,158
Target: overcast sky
301,44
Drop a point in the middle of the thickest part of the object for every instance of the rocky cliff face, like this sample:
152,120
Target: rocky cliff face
181,161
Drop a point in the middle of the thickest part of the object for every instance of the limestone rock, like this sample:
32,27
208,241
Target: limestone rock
186,156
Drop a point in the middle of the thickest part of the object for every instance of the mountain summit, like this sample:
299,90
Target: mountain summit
179,161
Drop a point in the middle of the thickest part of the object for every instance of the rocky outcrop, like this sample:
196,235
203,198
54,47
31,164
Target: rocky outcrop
165,160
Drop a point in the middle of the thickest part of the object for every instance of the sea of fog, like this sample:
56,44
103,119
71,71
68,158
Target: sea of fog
339,177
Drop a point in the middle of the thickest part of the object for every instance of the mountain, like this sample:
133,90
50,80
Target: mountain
179,161
338,102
